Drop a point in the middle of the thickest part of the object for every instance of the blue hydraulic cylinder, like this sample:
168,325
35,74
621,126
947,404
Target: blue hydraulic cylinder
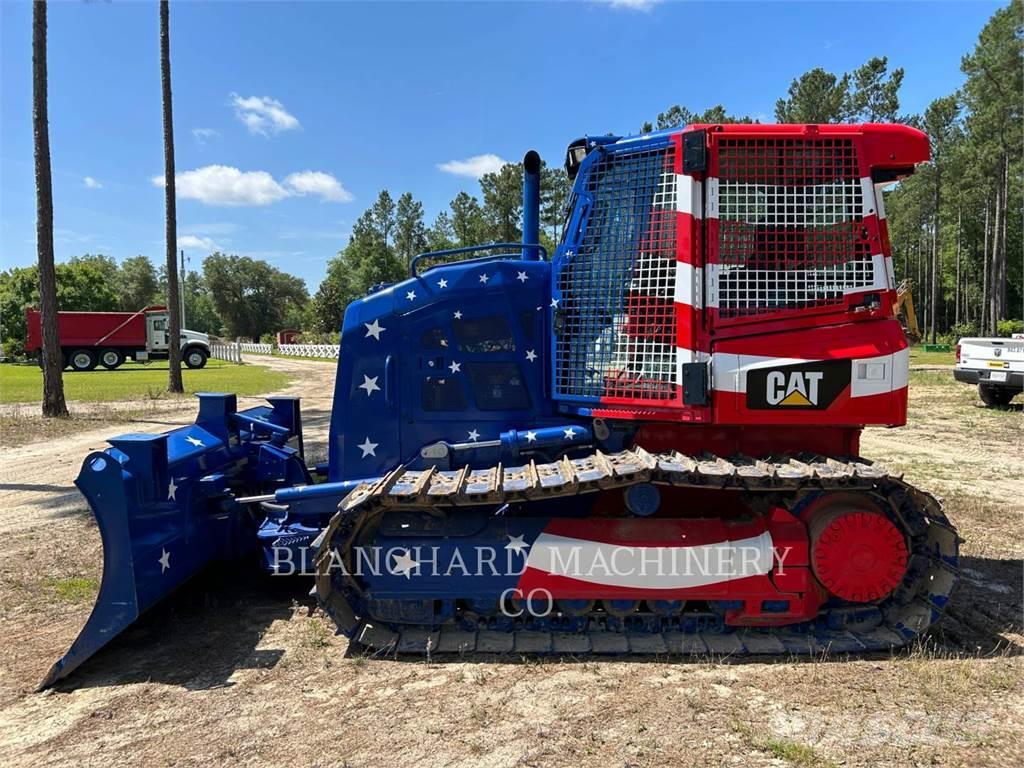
515,441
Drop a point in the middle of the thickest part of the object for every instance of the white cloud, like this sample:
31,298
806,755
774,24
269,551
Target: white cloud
473,167
202,135
263,115
632,5
91,183
194,243
318,183
225,185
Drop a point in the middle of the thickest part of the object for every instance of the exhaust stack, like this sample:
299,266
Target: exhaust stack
531,205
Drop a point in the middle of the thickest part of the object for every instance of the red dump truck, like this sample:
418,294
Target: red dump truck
88,339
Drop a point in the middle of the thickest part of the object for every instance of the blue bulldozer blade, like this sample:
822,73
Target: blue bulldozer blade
165,506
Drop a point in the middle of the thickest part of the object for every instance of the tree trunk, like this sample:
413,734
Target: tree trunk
174,383
934,290
993,271
983,314
52,357
1004,256
956,292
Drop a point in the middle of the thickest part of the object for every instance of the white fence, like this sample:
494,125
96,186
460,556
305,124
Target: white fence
309,350
230,352
259,349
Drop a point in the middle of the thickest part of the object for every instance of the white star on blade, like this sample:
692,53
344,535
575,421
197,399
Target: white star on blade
370,385
411,295
165,560
458,315
455,367
569,434
531,355
195,441
404,564
374,329
522,277
442,283
516,544
531,437
368,448
484,278
473,435
171,490
554,303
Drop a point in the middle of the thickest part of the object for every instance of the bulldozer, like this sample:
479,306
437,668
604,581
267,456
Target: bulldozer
644,442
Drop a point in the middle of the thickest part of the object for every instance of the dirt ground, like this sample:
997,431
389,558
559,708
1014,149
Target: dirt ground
241,669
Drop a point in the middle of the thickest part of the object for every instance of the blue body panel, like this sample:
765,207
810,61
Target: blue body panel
458,354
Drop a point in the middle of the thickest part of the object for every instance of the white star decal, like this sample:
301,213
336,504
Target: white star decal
367,448
171,490
442,283
370,385
473,435
569,434
554,303
455,367
516,544
458,315
411,295
531,355
404,564
374,329
484,278
164,560
195,441
522,277
531,437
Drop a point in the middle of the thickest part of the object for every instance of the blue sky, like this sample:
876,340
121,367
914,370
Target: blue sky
290,118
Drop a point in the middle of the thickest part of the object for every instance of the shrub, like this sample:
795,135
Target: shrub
1009,327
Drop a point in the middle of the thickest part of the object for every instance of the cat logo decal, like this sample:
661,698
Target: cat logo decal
797,388
813,385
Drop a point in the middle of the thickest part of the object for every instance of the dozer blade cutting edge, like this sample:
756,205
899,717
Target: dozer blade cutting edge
166,506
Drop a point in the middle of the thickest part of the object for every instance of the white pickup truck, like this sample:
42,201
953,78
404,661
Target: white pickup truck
995,365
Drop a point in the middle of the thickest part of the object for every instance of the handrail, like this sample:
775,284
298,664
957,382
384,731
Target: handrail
473,248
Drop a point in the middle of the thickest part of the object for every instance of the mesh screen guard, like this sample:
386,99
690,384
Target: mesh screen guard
617,320
791,232
789,227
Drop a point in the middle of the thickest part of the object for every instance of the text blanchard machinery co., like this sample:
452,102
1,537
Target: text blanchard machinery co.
646,443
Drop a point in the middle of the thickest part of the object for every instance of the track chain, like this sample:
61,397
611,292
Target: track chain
912,607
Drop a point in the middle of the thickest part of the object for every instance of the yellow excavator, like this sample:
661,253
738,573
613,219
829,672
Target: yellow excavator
904,310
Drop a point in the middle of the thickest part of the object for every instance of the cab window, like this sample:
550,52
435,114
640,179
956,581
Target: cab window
498,386
484,334
442,394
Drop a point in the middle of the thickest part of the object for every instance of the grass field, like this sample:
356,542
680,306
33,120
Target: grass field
919,357
132,381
